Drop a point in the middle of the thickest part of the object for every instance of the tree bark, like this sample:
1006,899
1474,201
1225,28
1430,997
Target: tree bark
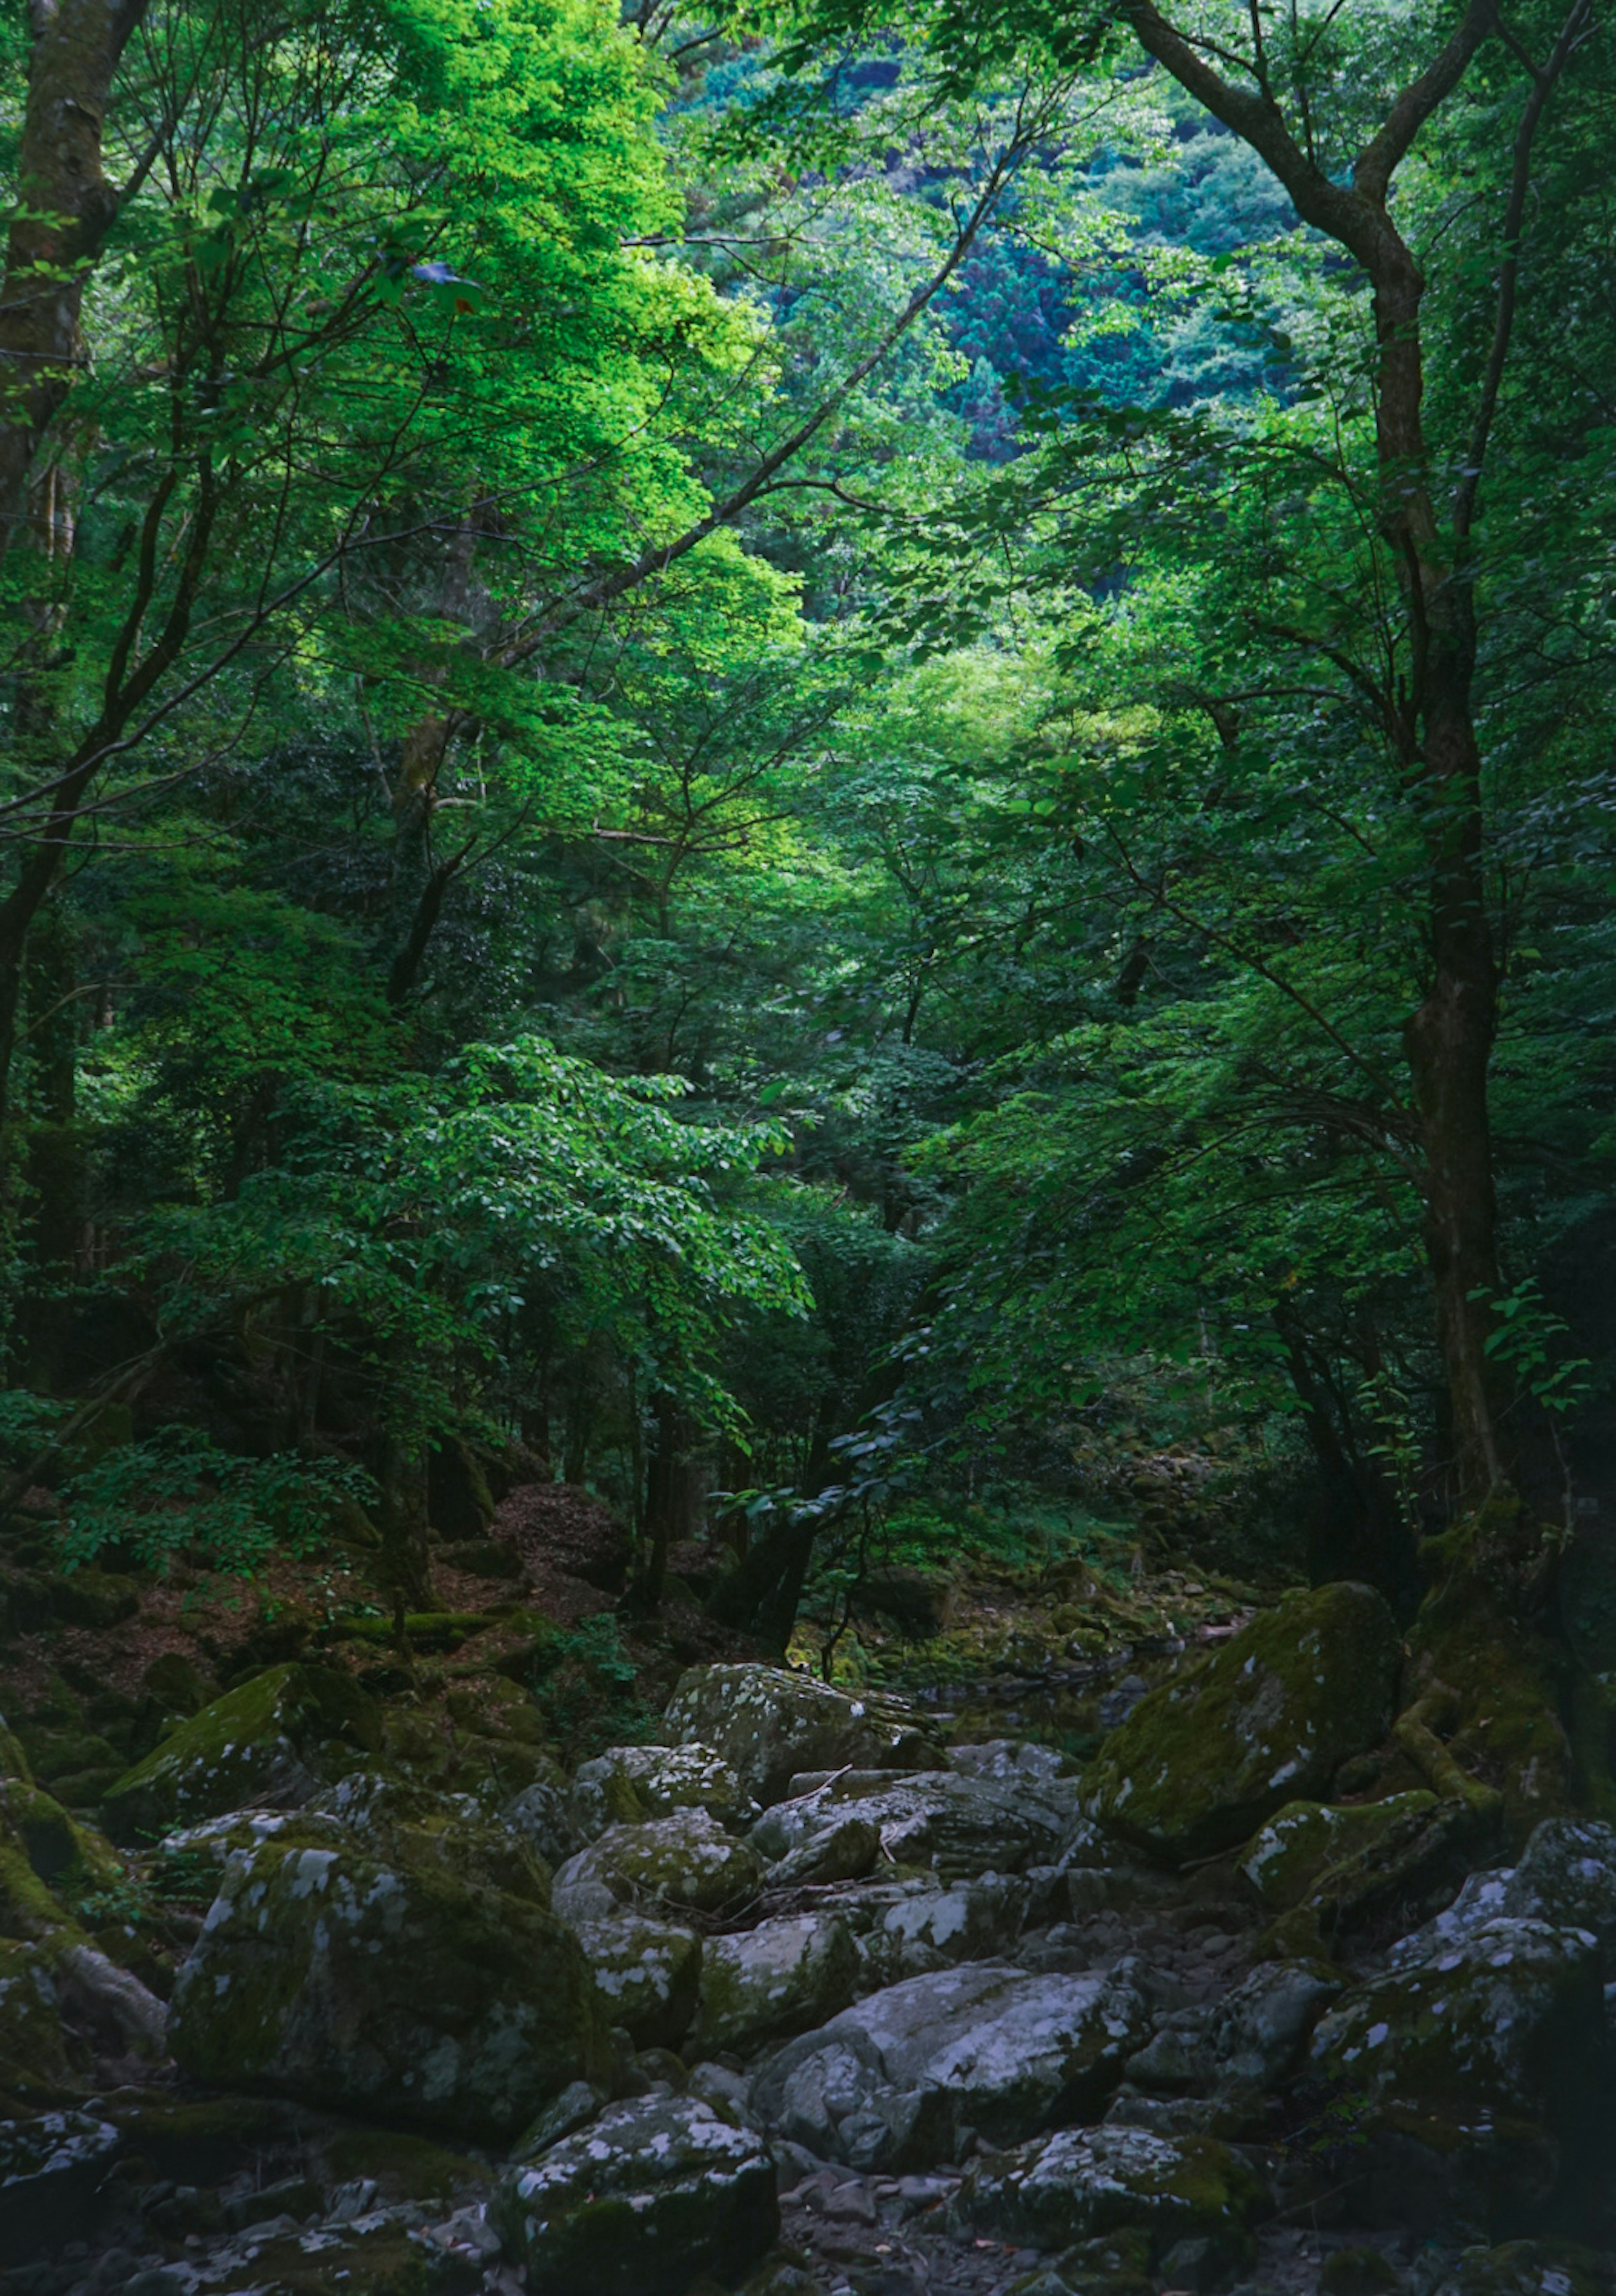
65,208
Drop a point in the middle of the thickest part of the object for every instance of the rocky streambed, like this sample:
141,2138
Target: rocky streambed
1271,1994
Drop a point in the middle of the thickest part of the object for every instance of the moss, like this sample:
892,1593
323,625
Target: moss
48,1861
38,2066
260,1743
1214,1751
1084,2183
406,2167
1507,1730
1305,1841
97,1599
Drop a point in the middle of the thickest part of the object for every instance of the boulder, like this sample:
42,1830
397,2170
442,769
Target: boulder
846,1851
1257,2033
48,1862
979,1920
986,2047
1083,2182
779,1979
1288,1858
1214,1752
1567,1875
686,1864
628,1785
647,1972
958,1823
51,2169
35,2066
542,1814
652,2195
769,1723
1529,2268
271,1742
1507,2018
390,1985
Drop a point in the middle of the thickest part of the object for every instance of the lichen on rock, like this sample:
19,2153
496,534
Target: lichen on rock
1214,1752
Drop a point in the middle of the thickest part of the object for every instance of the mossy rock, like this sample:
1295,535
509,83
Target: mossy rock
631,1785
769,1723
650,2195
97,1599
1083,2182
769,1983
1507,2018
647,1972
47,1861
390,1987
1529,2268
14,1760
174,1685
686,1864
263,1745
1214,1752
406,2167
40,2062
491,1706
1286,1860
201,2140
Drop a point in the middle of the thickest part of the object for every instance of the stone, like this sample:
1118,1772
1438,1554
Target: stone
1286,1859
1005,1758
1528,2268
768,1723
387,1986
48,1861
271,1742
845,1851
957,1824
628,1785
655,2193
979,1920
767,1983
1506,2018
375,1812
686,1864
52,2169
985,2046
1567,1875
542,1814
1259,2032
36,2059
1214,1752
1082,2182
648,1973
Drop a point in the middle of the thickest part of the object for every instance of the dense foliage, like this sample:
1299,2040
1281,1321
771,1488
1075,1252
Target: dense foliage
810,753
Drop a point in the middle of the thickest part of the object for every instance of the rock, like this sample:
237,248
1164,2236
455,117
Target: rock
1508,2018
960,1824
542,1814
769,1723
51,2172
648,1973
1567,1875
1085,2182
686,1864
1303,1842
779,1979
846,1851
628,1785
913,1600
48,1861
985,2046
1005,1758
376,1813
34,2063
979,1920
1257,2033
271,1742
579,2103
387,1986
655,2193
1119,1701
1215,1751
1528,2268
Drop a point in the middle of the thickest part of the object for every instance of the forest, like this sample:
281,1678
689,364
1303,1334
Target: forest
806,1121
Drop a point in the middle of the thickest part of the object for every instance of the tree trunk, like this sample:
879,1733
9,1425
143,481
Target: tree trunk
1449,1040
65,208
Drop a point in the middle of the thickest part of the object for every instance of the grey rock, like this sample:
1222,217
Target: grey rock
779,1979
1005,1758
653,2194
1083,2182
51,2168
1119,1701
648,1972
1257,2033
632,1785
542,1814
985,2045
769,1723
844,1851
684,1863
